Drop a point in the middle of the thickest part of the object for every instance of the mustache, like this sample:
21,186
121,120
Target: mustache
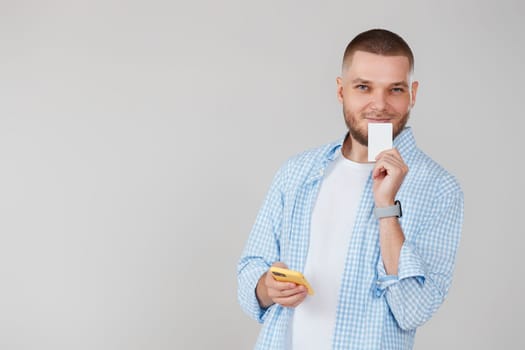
378,115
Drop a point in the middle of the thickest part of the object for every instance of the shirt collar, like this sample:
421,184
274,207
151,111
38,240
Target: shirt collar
405,142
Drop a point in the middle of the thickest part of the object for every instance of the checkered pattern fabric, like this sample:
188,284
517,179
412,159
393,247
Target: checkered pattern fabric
375,310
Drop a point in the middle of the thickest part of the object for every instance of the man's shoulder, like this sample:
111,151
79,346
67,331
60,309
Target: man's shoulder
305,163
424,169
314,154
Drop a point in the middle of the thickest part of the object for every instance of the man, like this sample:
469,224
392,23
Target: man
378,272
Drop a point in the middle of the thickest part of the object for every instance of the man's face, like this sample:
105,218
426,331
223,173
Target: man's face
376,89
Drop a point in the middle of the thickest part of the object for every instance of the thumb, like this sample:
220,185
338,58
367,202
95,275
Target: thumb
280,264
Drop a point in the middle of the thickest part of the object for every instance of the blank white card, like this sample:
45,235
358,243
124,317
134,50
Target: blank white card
379,139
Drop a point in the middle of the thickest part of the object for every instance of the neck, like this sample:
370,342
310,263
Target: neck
354,151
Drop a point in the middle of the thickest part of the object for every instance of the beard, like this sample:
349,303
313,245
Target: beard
361,135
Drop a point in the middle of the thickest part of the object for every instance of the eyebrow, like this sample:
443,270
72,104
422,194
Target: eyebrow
364,81
401,83
361,81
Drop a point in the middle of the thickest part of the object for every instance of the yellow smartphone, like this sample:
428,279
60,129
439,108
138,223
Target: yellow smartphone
287,275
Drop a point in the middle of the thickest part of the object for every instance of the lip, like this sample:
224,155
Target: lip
379,120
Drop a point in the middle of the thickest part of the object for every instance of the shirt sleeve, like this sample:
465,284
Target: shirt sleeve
426,264
262,248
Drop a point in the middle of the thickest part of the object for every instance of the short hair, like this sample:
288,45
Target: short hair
380,42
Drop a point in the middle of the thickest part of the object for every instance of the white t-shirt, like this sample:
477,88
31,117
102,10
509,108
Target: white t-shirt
331,227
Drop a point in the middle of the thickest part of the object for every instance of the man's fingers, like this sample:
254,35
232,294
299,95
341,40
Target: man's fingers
382,153
274,284
392,158
378,170
291,301
389,156
397,160
286,291
299,301
393,152
390,164
284,288
280,264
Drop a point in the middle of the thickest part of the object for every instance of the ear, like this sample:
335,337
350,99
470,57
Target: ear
339,82
413,93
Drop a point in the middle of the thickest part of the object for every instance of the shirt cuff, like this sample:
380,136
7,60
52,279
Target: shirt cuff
410,265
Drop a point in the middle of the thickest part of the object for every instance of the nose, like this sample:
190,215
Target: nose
378,100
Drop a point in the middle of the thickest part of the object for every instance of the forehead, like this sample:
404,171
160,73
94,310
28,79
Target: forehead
378,68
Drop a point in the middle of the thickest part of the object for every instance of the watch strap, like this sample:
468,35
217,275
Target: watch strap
393,210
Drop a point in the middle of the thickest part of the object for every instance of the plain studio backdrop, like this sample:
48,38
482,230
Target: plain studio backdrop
138,139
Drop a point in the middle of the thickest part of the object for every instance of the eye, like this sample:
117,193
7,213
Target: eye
398,90
361,87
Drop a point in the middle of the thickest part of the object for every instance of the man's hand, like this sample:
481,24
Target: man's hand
389,172
269,291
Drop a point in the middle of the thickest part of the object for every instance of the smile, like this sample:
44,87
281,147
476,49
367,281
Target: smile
372,120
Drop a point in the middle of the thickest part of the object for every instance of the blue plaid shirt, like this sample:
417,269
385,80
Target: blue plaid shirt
375,310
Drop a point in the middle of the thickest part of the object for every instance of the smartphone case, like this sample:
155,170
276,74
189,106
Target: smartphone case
287,275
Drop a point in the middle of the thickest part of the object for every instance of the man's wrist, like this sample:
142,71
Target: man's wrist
261,293
385,203
389,219
388,211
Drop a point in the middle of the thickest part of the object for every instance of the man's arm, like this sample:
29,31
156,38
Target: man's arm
425,265
391,239
414,276
388,175
258,290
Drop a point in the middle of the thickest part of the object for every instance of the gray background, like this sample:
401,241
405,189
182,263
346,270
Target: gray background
138,139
